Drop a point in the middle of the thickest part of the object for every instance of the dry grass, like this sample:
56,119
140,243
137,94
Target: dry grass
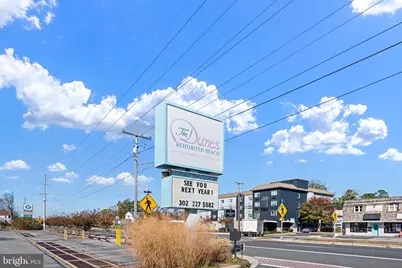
159,243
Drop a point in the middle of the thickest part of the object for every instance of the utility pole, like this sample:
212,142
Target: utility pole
135,154
44,203
238,203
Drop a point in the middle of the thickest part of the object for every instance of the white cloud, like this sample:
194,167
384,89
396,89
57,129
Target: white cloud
128,178
303,161
49,17
72,175
327,131
391,154
51,102
270,163
12,177
14,165
369,130
269,150
354,109
24,10
69,147
57,167
322,160
387,6
100,180
64,180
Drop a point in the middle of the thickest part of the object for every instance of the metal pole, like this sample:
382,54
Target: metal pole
135,152
44,205
281,228
238,204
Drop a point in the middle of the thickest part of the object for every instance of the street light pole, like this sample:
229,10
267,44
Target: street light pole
135,154
238,203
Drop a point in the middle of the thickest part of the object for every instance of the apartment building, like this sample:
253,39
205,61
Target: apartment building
373,217
292,193
228,202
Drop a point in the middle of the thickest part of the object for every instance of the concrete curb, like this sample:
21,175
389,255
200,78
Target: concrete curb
252,260
332,243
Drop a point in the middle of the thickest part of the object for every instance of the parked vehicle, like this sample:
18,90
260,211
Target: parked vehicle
252,227
306,230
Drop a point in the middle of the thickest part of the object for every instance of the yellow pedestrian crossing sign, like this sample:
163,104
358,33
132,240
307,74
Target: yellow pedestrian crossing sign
39,219
334,216
148,204
282,210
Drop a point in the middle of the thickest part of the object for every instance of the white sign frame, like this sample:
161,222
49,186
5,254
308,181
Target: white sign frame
188,139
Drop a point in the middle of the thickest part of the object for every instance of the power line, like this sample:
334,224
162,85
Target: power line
318,79
146,69
220,56
272,122
178,87
174,63
100,178
238,42
289,56
319,104
285,58
314,66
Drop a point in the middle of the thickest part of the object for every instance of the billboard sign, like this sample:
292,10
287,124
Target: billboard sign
188,193
28,210
189,139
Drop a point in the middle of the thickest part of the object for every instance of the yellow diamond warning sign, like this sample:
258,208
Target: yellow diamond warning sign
148,204
334,216
282,210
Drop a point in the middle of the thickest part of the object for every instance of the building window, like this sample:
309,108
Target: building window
264,201
358,208
274,203
257,204
358,227
298,196
274,213
392,227
256,215
274,192
257,195
393,207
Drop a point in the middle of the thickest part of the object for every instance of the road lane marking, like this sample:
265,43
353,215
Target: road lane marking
327,253
282,263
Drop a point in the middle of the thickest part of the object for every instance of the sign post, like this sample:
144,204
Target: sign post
334,217
282,210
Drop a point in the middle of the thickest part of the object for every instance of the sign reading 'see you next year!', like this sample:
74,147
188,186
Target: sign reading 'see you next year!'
194,194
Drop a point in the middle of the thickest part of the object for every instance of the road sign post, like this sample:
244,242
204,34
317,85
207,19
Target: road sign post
148,204
334,217
282,210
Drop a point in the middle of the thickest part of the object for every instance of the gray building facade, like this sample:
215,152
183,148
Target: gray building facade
292,193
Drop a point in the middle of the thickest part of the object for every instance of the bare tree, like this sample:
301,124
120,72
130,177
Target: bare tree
7,203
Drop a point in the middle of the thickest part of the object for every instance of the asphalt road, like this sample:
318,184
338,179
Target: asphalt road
286,254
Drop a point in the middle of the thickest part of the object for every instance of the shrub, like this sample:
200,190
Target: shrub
160,243
26,224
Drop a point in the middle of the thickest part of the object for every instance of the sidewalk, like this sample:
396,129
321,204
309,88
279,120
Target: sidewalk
338,241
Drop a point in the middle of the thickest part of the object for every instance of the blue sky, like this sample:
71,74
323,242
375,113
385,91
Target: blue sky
64,64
